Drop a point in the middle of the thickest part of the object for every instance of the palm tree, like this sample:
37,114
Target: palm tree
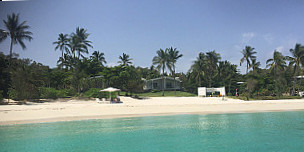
74,44
66,60
248,54
125,59
99,56
79,42
254,65
296,61
232,70
199,66
62,43
212,58
18,32
173,55
276,63
161,62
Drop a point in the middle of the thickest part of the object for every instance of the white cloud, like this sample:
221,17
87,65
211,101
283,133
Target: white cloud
246,37
237,47
268,38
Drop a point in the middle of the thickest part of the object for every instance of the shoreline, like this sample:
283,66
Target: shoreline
84,118
77,110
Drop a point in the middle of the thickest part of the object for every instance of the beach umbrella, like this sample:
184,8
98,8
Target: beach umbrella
110,89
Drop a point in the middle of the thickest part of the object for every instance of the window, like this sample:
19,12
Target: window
155,85
168,85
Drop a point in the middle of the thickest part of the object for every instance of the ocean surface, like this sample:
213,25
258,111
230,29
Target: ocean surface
258,132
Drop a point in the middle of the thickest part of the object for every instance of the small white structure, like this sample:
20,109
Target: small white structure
301,94
202,91
110,89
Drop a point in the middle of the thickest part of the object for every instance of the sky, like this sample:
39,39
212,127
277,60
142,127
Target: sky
141,27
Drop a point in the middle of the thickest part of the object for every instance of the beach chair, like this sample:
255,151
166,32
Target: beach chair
98,101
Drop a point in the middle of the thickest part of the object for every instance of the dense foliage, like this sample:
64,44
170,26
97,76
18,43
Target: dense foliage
77,75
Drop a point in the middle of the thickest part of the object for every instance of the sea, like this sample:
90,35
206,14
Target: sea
258,132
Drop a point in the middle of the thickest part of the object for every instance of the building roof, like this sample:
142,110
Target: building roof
95,77
300,77
166,77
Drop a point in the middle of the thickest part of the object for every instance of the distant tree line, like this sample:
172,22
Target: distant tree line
75,73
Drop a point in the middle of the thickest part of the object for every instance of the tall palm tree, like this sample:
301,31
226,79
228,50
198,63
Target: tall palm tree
248,54
99,56
79,42
74,44
212,58
276,63
18,32
125,59
296,61
62,43
199,66
173,55
161,62
232,74
255,65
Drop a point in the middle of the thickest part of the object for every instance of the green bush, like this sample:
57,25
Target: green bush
69,92
92,93
12,93
52,93
1,96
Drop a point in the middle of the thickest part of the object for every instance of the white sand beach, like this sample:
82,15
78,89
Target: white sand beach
61,110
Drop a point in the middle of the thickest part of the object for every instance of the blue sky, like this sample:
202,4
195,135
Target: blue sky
140,28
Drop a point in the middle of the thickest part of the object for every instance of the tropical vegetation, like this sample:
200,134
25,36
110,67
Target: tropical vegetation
81,74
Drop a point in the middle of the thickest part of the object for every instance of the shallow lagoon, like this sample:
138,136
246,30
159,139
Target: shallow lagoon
272,131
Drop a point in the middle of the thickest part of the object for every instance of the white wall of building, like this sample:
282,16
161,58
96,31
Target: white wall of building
202,91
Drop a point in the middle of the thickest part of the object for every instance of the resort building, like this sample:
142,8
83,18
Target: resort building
207,92
157,83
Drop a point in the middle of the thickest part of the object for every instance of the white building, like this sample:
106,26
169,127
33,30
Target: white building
157,83
203,91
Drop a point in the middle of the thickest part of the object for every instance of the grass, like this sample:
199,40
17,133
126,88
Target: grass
167,94
265,97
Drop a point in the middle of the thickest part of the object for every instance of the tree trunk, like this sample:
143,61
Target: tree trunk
163,92
275,80
294,82
174,81
199,80
247,69
229,87
9,66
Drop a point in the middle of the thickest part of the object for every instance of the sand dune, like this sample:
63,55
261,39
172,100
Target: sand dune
61,110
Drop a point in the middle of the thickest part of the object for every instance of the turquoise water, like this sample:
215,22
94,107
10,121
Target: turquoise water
277,131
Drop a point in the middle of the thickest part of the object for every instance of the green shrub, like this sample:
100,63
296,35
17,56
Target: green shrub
19,95
48,93
1,96
52,93
12,94
92,93
69,92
